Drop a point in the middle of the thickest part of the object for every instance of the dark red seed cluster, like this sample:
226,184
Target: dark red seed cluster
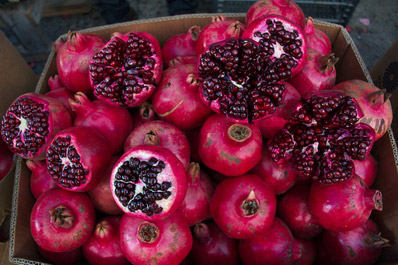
63,163
134,173
25,126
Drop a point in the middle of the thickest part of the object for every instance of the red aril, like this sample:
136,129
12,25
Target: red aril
316,39
367,169
40,179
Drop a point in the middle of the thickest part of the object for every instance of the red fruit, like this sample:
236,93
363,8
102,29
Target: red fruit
63,258
212,247
58,91
149,182
316,39
275,246
162,242
177,98
40,179
366,169
31,122
180,45
219,29
287,55
160,133
308,252
243,206
374,103
127,69
318,73
279,177
6,159
270,126
62,220
362,245
195,207
144,113
103,247
183,60
113,122
343,206
321,140
73,59
77,157
229,148
286,8
101,195
294,210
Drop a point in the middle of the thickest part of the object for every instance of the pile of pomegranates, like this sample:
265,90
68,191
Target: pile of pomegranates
228,144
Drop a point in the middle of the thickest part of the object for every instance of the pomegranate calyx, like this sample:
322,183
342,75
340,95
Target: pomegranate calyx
193,171
194,32
218,18
202,233
81,99
62,216
250,205
309,27
327,63
148,232
234,29
239,132
145,110
151,138
374,199
192,81
104,230
377,241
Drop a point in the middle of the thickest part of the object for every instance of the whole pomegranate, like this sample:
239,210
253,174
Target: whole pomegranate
308,252
62,258
367,169
345,205
148,182
316,39
31,122
58,91
40,179
6,159
229,148
62,220
212,247
73,57
162,242
127,69
143,113
243,206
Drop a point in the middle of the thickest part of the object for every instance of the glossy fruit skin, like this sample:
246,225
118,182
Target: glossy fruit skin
63,258
316,39
343,206
367,169
294,210
103,247
212,247
172,245
58,239
58,91
308,252
227,155
40,179
229,197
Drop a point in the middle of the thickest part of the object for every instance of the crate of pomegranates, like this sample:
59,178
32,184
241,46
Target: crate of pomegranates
204,139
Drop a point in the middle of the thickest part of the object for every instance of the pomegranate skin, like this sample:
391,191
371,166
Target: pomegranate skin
345,205
212,247
316,39
58,91
308,252
229,148
62,258
367,169
243,206
166,242
40,179
276,246
6,159
293,209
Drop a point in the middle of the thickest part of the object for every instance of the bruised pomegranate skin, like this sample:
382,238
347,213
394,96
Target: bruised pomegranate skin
316,39
243,206
367,169
212,247
162,242
62,258
62,220
40,179
229,148
345,205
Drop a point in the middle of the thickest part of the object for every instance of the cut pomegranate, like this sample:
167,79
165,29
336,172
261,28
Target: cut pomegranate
127,69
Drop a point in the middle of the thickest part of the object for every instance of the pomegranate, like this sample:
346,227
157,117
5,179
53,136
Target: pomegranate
6,159
219,29
40,179
345,205
367,169
195,206
177,98
316,39
318,73
58,91
243,206
31,122
294,210
149,182
162,242
77,157
127,69
286,8
308,252
181,45
103,247
160,133
282,41
212,247
275,246
279,177
113,122
362,245
63,258
374,102
101,195
183,60
73,59
143,113
62,220
322,137
229,148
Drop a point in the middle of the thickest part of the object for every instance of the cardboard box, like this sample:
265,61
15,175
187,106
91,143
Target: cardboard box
350,66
